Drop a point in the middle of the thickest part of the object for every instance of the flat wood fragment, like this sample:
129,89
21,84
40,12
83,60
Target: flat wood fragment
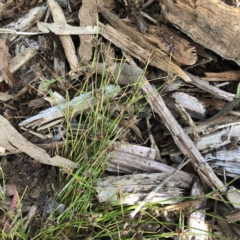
233,216
195,108
196,220
168,41
224,122
121,162
226,162
136,150
131,189
149,53
213,24
5,74
66,29
78,104
196,81
21,59
67,42
215,139
87,16
222,76
14,142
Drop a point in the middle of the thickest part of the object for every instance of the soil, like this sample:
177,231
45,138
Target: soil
23,95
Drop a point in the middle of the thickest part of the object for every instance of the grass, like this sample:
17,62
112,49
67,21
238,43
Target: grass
88,142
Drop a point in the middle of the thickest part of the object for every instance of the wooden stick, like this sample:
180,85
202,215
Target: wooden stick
67,42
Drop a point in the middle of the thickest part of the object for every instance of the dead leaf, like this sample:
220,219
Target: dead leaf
14,203
4,97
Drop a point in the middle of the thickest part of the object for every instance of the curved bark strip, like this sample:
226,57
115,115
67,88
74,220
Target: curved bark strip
13,141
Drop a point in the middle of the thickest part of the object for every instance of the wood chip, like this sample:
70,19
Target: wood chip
14,142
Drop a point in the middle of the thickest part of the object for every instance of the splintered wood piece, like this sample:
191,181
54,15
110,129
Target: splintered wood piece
181,139
195,108
132,42
233,216
222,76
109,4
121,162
224,122
78,104
27,20
22,58
136,150
196,220
168,41
131,189
13,141
5,74
67,42
87,16
196,81
213,24
66,29
216,139
226,162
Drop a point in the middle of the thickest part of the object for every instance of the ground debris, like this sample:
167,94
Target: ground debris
111,103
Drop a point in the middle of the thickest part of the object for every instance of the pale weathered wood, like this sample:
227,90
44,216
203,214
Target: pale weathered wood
66,29
67,42
211,89
14,142
130,163
21,59
27,20
78,104
87,16
212,127
131,189
136,150
215,139
181,139
196,220
213,24
195,108
212,138
225,162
